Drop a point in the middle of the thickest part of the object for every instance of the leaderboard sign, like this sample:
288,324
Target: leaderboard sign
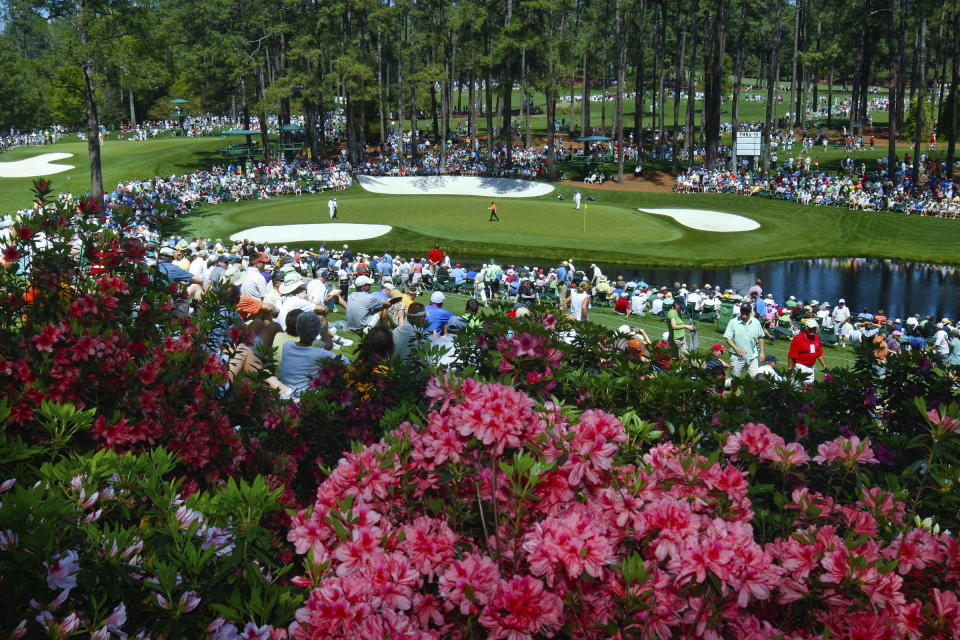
749,143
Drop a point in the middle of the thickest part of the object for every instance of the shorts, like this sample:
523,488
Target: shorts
737,363
804,373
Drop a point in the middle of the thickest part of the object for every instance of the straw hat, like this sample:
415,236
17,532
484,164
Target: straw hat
291,282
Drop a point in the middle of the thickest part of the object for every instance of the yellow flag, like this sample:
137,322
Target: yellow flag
584,206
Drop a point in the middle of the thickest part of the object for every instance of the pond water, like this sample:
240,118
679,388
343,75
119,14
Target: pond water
899,288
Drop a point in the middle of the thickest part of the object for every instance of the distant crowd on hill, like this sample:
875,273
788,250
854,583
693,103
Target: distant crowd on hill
862,187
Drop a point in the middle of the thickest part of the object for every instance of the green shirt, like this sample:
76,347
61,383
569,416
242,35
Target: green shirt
745,335
678,334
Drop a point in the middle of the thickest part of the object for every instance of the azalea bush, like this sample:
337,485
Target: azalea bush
105,545
102,335
503,518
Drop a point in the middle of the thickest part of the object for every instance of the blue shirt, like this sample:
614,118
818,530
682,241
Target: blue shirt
562,274
173,273
761,307
437,317
299,364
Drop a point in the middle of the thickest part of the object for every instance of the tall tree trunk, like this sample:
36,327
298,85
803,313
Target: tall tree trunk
661,83
489,97
93,118
585,99
678,66
737,81
954,80
921,97
692,85
133,113
310,128
433,109
893,97
855,88
402,151
573,103
603,91
816,67
444,116
714,49
527,101
472,100
550,92
771,85
621,81
793,76
830,99
262,115
639,99
383,118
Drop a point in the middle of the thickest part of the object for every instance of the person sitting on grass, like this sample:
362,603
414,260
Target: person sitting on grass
302,360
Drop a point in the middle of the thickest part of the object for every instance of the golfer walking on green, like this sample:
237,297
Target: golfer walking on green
493,212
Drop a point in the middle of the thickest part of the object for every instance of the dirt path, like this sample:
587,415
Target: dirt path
649,182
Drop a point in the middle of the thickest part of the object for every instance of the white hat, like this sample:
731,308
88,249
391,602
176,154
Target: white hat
363,281
810,322
625,329
291,282
841,301
437,297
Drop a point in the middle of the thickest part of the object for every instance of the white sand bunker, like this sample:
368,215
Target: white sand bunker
706,220
320,232
455,186
41,165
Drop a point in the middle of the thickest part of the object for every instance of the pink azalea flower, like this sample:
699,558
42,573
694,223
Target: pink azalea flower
845,451
62,572
522,609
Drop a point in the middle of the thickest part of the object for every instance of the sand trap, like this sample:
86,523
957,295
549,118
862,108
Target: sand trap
303,232
706,220
36,166
455,186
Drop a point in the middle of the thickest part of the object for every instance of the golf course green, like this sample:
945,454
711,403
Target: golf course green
612,228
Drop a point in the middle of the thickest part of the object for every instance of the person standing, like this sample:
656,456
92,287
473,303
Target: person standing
493,212
805,351
332,206
576,199
744,334
677,332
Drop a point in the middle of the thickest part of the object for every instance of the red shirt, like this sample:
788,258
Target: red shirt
622,305
435,256
804,350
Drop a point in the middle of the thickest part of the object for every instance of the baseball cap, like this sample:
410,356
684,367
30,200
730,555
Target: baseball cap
363,280
718,347
262,257
437,298
770,358
810,322
841,301
167,252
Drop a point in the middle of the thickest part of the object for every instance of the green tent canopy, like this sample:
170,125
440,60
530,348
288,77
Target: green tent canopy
291,127
241,132
593,139
179,101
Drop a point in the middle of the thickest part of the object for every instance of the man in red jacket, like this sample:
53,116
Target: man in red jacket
435,256
805,351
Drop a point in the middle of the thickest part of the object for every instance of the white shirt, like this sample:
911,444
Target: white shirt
255,285
290,302
840,314
941,342
317,291
198,266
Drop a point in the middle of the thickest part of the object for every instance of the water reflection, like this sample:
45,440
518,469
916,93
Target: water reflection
900,288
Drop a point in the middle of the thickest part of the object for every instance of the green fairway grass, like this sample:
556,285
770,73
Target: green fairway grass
550,229
121,160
